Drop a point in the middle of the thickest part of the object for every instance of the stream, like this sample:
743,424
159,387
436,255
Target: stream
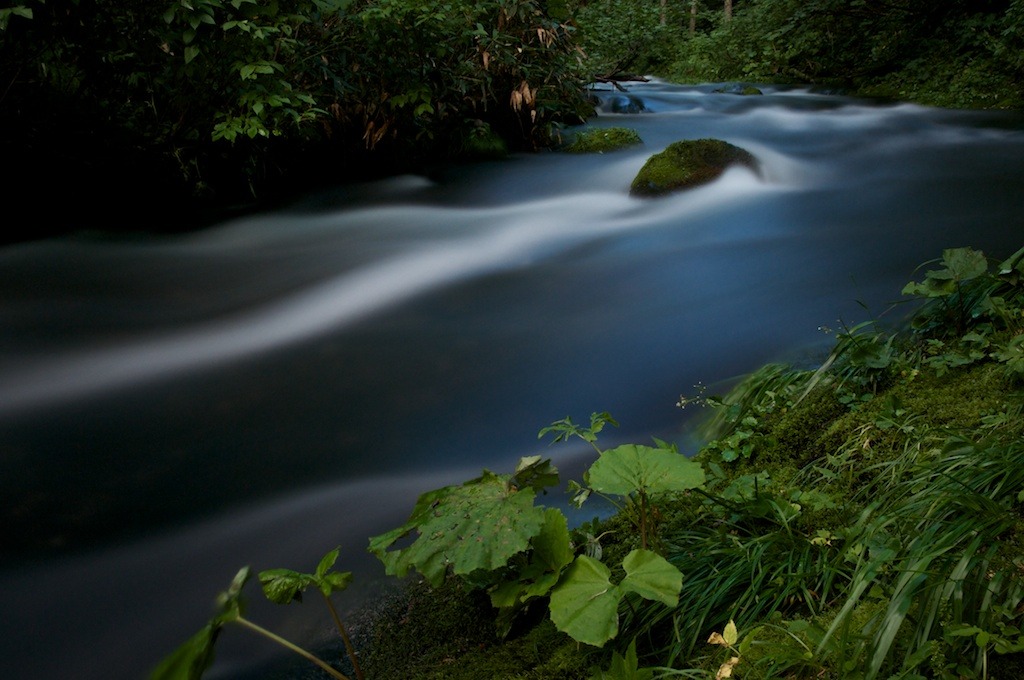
257,393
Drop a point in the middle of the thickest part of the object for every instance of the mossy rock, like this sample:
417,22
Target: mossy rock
601,140
745,90
686,164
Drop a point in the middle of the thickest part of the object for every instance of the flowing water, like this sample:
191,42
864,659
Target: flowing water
172,408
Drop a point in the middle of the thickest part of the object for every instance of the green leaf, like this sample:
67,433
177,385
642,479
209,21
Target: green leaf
730,633
552,552
630,468
963,264
326,562
479,525
585,604
1012,268
284,585
281,586
565,428
652,577
551,546
335,582
230,601
191,659
625,667
535,472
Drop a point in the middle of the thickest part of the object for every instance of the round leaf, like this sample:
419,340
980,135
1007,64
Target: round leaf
630,468
585,605
652,577
479,525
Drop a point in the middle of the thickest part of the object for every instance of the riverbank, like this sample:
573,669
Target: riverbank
862,518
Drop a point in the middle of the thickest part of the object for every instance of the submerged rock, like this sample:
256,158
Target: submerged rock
745,90
627,104
686,164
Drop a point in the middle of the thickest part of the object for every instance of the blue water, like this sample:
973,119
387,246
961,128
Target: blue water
172,408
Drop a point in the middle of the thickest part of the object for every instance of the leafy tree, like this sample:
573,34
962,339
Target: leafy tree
225,100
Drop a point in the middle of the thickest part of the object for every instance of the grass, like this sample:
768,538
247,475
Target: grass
864,520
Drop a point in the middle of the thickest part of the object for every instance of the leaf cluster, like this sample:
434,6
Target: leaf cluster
227,100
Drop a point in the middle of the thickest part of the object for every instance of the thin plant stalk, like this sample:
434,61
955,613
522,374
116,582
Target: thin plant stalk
344,638
295,648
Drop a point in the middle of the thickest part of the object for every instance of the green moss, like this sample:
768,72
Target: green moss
958,399
601,140
542,653
449,633
687,164
870,461
422,628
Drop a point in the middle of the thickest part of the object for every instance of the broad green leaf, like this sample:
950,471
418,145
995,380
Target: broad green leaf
585,605
479,525
281,586
194,657
552,548
963,264
552,552
931,288
630,468
652,577
506,594
191,659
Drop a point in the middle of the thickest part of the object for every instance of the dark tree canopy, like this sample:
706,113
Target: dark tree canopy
112,107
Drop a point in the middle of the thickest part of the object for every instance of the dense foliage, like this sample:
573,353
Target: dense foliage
861,520
121,105
227,99
945,53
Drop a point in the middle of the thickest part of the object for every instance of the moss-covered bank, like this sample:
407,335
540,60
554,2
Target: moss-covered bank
865,519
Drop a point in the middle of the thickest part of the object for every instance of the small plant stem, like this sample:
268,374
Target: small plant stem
643,519
295,648
344,638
